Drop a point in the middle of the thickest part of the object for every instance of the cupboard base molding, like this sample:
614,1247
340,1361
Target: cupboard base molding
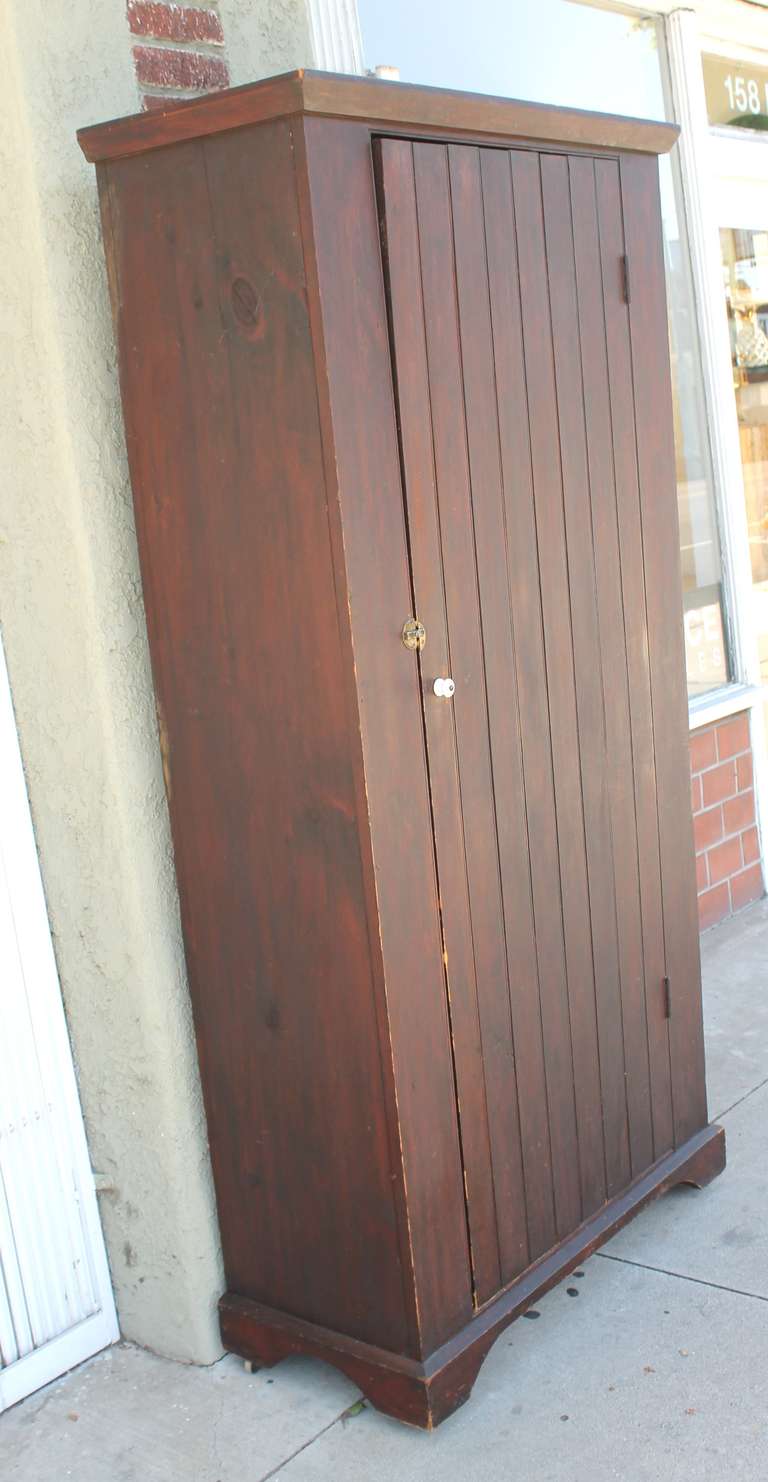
425,1392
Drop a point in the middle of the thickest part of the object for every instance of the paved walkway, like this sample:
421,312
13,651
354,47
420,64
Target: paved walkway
649,1365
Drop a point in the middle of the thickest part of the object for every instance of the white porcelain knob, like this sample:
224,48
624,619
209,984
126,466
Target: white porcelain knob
444,688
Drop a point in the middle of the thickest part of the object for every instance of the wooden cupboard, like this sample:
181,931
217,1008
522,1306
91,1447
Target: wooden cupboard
396,389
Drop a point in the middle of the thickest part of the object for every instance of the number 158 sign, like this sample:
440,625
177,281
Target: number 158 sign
737,93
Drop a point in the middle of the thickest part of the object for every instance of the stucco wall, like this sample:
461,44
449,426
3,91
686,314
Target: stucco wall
73,626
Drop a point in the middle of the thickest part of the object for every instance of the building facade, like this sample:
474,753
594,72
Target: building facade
70,596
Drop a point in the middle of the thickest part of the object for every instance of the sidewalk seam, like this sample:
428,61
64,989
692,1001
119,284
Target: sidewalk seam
717,1286
275,1472
745,1097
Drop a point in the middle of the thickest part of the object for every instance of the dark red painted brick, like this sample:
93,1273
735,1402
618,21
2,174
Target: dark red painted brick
162,67
714,906
703,749
746,887
718,783
695,794
707,828
732,736
152,101
744,771
174,22
724,860
702,873
750,846
739,812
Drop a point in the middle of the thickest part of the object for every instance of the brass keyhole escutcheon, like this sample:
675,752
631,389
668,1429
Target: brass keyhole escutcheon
414,635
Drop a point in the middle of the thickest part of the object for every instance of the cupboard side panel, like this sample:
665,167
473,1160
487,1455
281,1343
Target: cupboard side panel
365,494
224,443
656,465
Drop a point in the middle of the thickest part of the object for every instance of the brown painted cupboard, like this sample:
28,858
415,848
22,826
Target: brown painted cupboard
396,389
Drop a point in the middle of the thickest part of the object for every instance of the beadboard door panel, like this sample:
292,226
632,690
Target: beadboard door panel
501,290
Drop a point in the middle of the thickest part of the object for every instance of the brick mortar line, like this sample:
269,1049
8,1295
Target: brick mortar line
723,762
734,834
163,43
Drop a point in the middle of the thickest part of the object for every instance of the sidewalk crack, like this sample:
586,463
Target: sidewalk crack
745,1097
275,1472
717,1286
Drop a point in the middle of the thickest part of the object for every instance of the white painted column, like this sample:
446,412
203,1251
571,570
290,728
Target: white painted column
337,43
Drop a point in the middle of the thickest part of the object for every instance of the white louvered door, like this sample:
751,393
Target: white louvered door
56,1305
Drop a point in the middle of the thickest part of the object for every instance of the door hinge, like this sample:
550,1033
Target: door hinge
625,289
667,1000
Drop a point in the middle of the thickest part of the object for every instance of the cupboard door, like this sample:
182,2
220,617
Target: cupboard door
511,355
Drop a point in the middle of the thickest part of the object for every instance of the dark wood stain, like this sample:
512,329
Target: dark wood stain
366,378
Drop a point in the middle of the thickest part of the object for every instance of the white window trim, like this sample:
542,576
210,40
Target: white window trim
698,146
690,110
730,699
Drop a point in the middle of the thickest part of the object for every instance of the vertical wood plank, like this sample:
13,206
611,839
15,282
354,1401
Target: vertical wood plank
464,620
480,410
613,655
365,506
621,393
407,260
656,467
547,485
583,812
532,708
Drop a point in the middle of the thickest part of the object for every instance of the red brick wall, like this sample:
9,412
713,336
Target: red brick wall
178,49
722,796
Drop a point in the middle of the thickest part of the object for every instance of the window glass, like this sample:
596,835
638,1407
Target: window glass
611,62
736,93
745,273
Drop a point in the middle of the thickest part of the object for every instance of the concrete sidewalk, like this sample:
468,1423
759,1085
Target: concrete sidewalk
649,1363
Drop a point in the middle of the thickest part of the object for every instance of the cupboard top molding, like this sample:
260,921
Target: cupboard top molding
380,104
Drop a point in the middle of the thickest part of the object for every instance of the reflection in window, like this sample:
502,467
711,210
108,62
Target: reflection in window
613,62
745,274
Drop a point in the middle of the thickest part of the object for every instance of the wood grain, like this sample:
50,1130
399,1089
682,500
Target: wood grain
336,96
425,1393
227,473
348,310
368,378
660,533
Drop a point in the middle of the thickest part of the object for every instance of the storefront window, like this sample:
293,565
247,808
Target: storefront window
745,272
611,62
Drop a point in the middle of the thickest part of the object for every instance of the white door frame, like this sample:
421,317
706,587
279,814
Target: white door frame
23,901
